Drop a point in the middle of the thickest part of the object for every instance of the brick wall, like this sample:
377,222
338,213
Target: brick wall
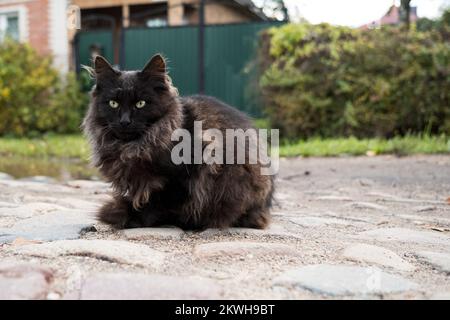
215,13
36,22
39,25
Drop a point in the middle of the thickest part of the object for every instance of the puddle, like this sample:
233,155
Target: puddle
60,169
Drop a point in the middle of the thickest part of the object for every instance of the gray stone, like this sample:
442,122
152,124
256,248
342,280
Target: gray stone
373,254
274,230
382,195
108,250
406,235
90,187
352,219
33,186
242,249
89,206
129,286
5,176
24,282
67,202
16,212
440,261
441,296
39,179
341,280
53,296
7,205
30,209
281,196
392,198
6,237
334,198
425,220
59,225
424,208
316,221
282,213
365,182
367,205
89,184
153,233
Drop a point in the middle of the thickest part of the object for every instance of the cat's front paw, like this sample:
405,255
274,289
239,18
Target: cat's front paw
116,213
144,219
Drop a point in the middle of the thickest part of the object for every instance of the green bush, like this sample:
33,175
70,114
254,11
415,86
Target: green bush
320,80
442,24
34,97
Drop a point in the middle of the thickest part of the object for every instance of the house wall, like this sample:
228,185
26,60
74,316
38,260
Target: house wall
176,12
42,23
89,4
392,17
215,13
33,21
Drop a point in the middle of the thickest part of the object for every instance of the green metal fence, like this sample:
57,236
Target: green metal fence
87,39
230,57
178,45
230,64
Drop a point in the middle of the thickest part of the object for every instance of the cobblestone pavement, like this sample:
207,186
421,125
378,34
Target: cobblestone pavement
343,228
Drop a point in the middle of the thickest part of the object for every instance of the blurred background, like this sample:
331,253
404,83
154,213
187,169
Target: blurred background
348,77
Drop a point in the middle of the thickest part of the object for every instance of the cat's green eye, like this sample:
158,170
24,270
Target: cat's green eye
113,104
140,104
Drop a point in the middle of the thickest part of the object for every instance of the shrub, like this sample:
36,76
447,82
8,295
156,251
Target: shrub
68,105
336,81
34,97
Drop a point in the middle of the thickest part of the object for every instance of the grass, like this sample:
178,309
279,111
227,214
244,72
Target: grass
57,146
407,145
75,146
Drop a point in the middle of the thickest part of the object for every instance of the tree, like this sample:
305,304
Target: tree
426,24
445,19
405,12
441,24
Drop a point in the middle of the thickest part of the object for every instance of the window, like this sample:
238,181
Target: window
156,22
9,25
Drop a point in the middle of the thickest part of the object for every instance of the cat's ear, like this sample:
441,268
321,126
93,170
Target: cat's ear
156,66
102,67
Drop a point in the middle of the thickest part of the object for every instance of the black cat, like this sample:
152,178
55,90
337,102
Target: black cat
129,125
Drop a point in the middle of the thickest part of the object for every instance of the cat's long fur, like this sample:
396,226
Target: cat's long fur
149,190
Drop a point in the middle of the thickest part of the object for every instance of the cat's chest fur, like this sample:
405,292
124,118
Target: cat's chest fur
135,179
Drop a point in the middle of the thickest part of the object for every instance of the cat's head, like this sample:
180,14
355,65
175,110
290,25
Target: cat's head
128,103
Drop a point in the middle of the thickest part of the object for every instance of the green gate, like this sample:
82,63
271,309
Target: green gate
230,57
85,42
177,44
230,64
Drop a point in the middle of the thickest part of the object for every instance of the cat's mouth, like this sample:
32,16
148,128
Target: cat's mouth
126,135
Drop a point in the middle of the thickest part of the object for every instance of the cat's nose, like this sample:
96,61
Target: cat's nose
125,120
125,123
